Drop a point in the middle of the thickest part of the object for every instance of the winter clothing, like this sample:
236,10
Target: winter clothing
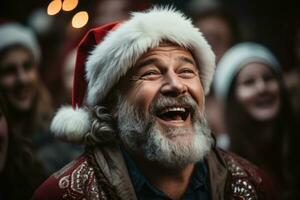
101,173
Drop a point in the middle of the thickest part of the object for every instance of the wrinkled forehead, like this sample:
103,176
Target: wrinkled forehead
171,45
166,48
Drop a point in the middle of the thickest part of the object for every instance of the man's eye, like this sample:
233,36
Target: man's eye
150,75
187,73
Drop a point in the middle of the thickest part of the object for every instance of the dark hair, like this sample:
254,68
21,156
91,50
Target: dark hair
22,171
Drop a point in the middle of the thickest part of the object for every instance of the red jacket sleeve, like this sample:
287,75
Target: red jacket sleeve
75,181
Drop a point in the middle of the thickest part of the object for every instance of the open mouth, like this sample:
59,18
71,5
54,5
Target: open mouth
176,113
23,92
265,102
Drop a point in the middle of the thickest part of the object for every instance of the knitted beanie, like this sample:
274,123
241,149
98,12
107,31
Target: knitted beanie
235,59
16,34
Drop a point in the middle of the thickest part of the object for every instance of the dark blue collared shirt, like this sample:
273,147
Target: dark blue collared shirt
197,188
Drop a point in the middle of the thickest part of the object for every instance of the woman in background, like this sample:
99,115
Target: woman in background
258,116
20,170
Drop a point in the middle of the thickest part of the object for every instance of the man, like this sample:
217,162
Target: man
140,112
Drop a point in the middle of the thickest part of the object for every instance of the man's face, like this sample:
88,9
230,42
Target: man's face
18,78
161,109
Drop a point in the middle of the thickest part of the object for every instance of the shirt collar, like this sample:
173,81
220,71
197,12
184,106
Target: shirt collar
138,180
198,179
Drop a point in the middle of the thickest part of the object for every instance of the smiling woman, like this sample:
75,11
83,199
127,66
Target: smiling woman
18,77
258,116
258,91
20,84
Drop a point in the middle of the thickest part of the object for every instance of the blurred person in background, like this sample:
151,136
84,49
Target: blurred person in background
292,80
217,24
28,101
258,115
105,11
221,30
292,75
20,169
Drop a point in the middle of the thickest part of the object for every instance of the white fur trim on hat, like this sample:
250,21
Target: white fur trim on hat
71,125
121,48
235,59
14,33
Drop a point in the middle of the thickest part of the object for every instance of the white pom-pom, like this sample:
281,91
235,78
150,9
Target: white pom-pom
71,125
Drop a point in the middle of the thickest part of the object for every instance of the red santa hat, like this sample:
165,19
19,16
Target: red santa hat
107,53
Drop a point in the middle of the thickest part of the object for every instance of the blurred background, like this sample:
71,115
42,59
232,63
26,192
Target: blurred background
59,25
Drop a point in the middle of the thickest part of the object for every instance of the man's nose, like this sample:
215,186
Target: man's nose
173,85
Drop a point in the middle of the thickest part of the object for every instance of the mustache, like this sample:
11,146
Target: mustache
162,102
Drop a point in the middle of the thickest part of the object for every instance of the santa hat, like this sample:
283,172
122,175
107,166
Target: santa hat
235,59
107,53
13,33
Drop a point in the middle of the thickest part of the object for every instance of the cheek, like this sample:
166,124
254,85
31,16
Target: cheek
196,90
274,88
33,76
245,95
7,81
142,95
275,92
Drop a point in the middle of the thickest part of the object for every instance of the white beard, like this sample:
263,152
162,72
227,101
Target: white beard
141,135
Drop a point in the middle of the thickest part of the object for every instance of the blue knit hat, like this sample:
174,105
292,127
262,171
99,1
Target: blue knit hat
235,59
13,33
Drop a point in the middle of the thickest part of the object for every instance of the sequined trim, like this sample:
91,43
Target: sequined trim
240,186
243,189
80,184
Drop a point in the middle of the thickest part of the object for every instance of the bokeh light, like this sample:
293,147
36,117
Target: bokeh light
69,5
80,19
54,7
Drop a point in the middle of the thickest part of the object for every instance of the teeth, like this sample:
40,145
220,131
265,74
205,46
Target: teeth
180,109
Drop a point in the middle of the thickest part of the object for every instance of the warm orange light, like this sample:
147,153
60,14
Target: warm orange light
54,7
80,19
69,5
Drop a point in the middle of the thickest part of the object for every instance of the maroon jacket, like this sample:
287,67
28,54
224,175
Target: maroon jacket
102,174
